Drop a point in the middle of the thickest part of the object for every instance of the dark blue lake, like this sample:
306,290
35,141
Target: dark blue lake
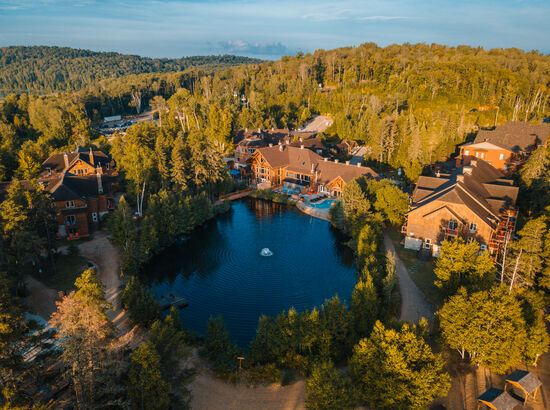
219,269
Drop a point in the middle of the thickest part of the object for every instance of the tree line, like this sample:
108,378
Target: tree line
42,69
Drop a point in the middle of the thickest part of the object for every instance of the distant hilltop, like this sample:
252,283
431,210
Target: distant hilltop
42,69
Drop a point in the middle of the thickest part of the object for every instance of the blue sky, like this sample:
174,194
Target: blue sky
269,29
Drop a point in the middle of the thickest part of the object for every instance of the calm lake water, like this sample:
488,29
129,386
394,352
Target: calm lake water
219,269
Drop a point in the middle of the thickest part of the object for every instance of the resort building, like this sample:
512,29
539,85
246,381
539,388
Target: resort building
476,203
507,146
78,162
302,169
347,147
247,141
81,185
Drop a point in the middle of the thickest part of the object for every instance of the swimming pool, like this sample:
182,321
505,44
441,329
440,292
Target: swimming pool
326,204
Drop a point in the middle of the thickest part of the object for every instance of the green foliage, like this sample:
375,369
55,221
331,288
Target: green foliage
296,341
90,290
220,349
70,69
535,181
146,387
17,335
270,195
142,307
365,306
327,389
462,264
397,369
169,340
490,327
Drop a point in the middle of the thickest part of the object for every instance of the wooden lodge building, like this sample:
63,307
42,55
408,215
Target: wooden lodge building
247,141
476,203
507,146
302,169
81,185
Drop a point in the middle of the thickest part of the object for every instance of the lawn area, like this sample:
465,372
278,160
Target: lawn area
421,272
69,267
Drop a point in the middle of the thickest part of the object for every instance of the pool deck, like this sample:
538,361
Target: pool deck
315,212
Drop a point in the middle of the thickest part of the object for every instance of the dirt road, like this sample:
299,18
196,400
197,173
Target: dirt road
318,124
414,305
106,258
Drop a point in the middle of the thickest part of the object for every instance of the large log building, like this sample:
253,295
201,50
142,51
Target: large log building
477,203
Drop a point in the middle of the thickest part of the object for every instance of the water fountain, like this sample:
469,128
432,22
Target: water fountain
266,252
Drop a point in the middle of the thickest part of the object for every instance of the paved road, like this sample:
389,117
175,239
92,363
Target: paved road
318,124
357,158
414,305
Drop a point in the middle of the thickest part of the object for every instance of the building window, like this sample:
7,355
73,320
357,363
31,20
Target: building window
506,167
466,152
107,166
473,227
477,154
94,216
49,171
501,157
70,219
69,204
453,225
482,155
427,243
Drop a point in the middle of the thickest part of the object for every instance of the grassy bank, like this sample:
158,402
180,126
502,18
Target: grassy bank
270,195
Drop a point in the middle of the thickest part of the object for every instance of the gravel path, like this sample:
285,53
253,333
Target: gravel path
414,305
106,258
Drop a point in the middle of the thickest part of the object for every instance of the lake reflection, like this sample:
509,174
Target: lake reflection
219,269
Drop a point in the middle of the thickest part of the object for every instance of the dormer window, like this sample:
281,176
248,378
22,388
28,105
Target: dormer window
473,228
69,204
49,171
453,225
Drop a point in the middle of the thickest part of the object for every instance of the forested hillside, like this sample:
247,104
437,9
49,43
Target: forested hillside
42,69
411,104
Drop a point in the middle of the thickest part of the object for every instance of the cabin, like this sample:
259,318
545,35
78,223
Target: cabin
347,147
506,147
303,170
523,382
476,203
497,399
78,162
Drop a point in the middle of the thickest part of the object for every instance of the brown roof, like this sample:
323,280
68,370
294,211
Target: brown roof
517,136
527,380
500,399
56,162
308,162
480,187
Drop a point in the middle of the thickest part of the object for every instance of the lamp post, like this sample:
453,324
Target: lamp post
240,359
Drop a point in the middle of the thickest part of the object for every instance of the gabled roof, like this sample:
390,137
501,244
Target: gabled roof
56,162
527,380
517,136
306,161
500,399
479,187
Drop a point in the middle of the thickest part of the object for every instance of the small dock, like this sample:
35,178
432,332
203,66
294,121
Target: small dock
235,195
172,300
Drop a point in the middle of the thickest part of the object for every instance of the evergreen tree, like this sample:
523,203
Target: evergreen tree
146,387
397,369
142,307
327,389
364,306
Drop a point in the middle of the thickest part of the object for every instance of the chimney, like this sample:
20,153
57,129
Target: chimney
460,178
358,165
246,130
301,139
287,141
301,147
336,161
91,157
66,159
347,162
325,159
259,130
473,163
270,145
272,129
438,174
99,183
280,147
467,170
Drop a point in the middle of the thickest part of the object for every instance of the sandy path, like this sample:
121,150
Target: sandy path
414,305
211,393
106,258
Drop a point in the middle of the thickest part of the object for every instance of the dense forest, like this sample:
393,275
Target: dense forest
410,104
41,69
